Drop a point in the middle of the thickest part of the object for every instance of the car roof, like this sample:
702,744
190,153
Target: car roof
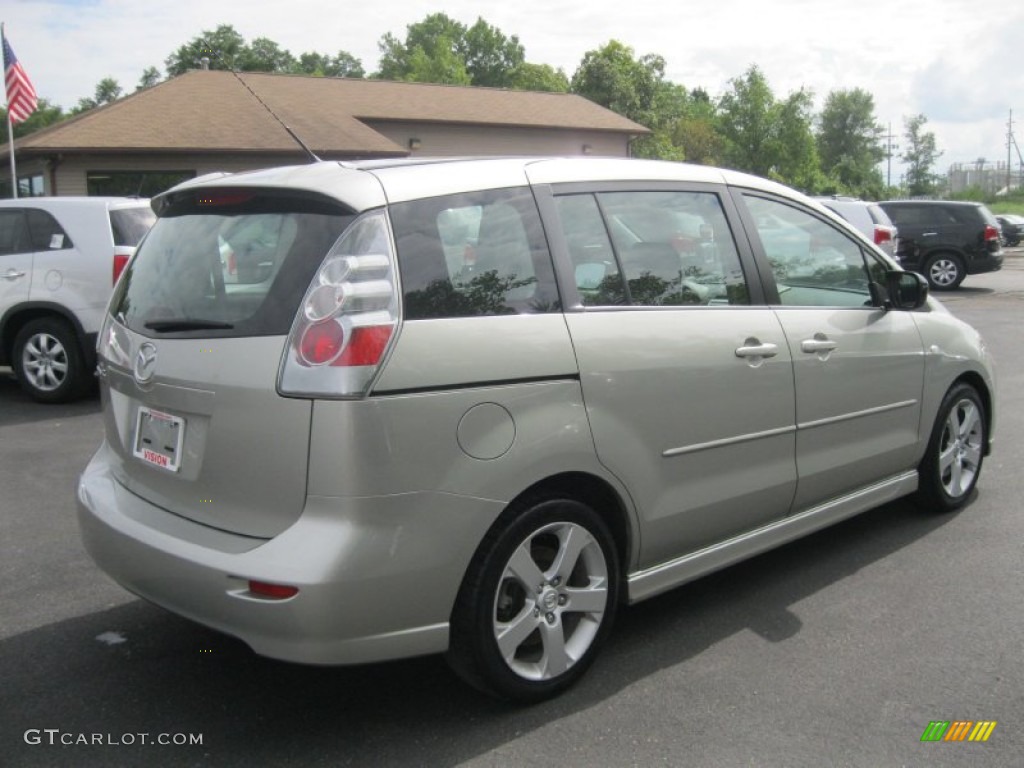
365,184
55,203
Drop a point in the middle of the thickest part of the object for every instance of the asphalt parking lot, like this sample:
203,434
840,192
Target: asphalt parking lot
836,650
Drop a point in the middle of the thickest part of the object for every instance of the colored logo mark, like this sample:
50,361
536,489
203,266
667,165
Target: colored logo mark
958,730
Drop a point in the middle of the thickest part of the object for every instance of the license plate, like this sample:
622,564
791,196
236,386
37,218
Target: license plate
158,438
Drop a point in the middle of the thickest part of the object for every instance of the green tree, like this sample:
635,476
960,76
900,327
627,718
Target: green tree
796,152
150,77
437,36
612,77
745,121
538,77
264,55
223,47
491,57
107,90
696,133
635,88
344,64
920,156
849,140
440,49
767,137
45,114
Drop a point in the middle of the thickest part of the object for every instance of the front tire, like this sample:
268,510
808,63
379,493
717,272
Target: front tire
48,362
944,272
537,601
952,461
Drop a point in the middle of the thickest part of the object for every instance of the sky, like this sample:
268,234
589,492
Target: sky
958,62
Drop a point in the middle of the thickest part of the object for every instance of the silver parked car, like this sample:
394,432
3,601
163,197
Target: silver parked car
475,406
869,218
59,260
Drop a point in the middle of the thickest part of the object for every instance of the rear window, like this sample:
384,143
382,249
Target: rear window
239,267
129,224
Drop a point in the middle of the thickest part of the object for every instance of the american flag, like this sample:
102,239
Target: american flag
21,96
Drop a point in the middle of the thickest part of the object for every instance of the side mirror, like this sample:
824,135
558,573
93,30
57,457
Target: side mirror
907,290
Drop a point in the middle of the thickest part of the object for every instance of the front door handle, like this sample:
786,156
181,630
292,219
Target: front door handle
817,345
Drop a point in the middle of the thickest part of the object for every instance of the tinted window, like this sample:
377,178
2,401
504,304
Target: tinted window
234,270
14,237
598,280
46,233
814,264
652,249
480,253
128,225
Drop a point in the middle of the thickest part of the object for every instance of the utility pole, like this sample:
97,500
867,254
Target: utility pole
1009,145
889,147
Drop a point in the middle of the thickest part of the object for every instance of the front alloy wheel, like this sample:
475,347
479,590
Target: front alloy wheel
537,602
952,463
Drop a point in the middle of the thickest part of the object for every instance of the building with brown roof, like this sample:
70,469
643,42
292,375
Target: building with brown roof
206,121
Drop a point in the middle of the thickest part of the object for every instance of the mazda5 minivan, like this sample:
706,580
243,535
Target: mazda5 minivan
476,406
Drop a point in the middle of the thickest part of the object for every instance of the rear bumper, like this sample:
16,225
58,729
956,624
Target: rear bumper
377,576
993,262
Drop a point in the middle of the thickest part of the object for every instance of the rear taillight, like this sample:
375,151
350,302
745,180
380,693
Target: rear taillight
883,234
347,317
991,233
120,261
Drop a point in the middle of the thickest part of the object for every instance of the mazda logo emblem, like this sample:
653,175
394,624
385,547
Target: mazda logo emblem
145,363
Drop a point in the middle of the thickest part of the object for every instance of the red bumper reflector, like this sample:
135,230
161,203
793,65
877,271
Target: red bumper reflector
274,591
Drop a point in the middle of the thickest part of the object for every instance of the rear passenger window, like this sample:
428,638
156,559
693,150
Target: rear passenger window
652,249
480,253
14,237
46,233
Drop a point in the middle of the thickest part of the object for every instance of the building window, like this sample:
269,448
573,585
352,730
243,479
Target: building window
133,183
28,186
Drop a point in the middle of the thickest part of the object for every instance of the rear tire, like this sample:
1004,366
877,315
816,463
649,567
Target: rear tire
952,462
944,272
48,361
537,601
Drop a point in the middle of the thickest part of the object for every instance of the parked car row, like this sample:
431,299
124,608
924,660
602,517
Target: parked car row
59,260
473,406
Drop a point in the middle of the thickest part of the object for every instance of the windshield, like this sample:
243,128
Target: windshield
235,271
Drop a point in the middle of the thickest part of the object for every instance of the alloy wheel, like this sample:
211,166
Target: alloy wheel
551,601
960,448
44,362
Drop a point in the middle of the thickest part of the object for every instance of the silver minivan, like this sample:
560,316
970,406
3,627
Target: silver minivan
362,411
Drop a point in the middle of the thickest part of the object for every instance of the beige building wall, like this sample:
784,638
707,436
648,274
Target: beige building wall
448,140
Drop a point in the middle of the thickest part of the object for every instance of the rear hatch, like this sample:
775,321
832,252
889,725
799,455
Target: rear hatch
192,348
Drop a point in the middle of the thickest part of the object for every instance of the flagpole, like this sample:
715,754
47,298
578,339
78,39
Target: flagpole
10,128
10,145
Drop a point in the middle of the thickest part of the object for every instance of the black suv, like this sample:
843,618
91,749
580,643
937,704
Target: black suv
945,241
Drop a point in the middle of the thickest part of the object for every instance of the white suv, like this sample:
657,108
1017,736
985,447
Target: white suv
59,260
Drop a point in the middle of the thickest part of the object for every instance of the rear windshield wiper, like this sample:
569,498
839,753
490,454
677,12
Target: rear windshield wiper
187,324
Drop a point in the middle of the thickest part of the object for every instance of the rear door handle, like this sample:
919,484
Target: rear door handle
757,350
13,274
